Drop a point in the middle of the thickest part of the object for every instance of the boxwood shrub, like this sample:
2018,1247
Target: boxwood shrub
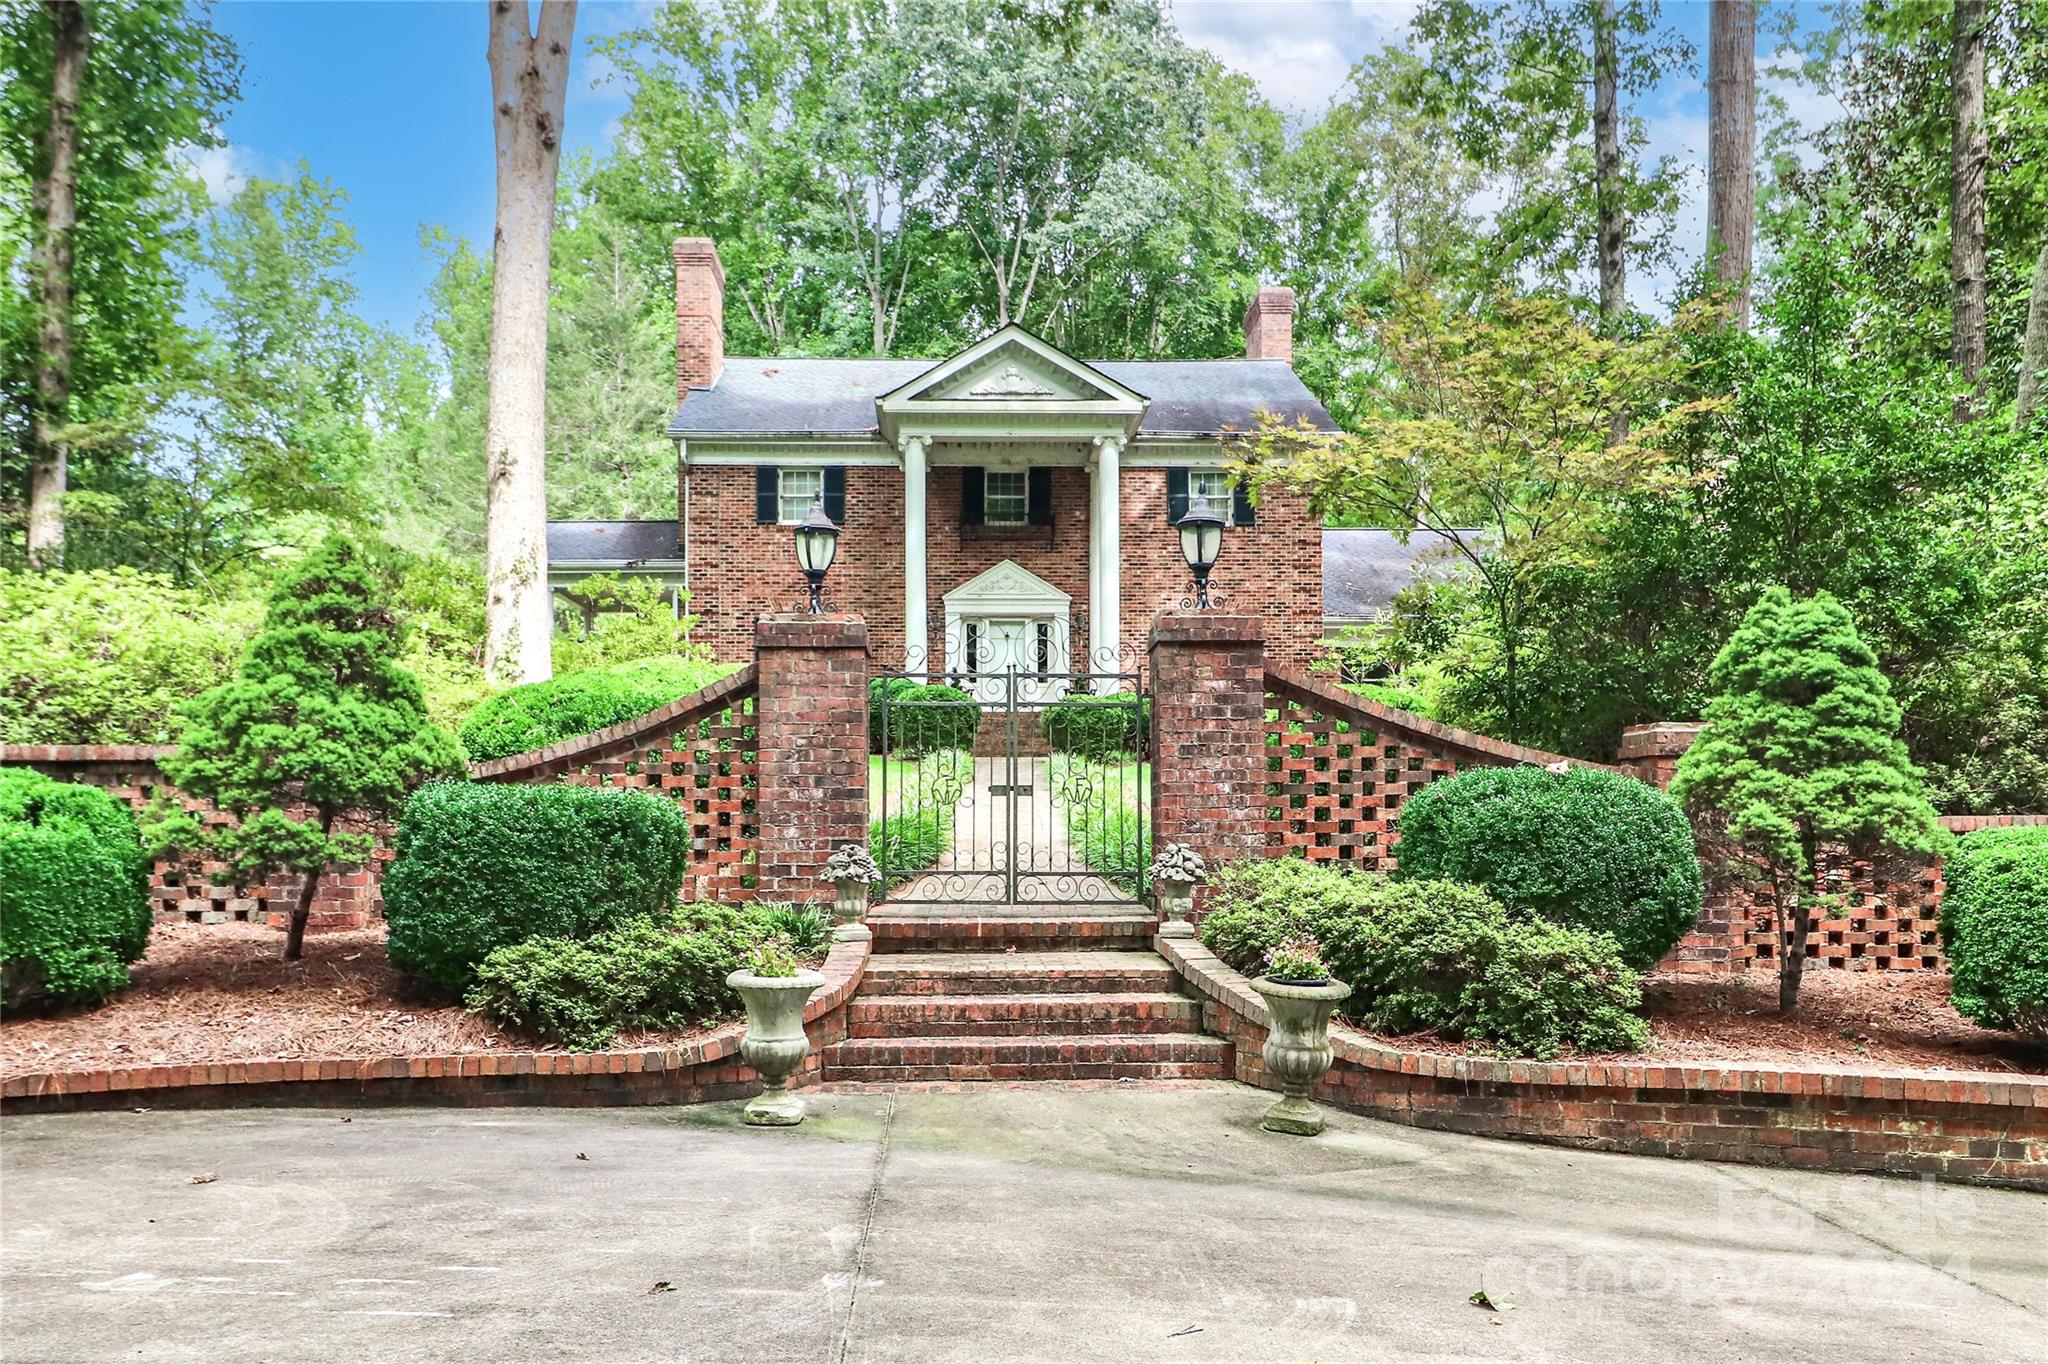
920,717
480,866
1994,925
662,973
1433,956
542,713
74,891
1097,726
1586,849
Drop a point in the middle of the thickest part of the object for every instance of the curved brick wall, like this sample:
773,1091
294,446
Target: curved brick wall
1978,1128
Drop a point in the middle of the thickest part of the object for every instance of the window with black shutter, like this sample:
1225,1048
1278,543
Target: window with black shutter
1041,497
971,480
1183,486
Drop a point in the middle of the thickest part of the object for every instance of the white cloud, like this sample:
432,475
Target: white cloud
1298,51
223,169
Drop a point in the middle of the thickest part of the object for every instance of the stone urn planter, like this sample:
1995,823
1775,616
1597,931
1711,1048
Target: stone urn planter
852,871
1174,874
1297,1049
775,1044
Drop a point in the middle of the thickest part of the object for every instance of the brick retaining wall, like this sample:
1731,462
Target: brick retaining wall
703,1069
1973,1128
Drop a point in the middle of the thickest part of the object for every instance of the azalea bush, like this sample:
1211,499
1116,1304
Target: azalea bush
1432,956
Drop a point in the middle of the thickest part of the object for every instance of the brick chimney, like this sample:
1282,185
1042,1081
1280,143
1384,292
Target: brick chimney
700,314
1269,325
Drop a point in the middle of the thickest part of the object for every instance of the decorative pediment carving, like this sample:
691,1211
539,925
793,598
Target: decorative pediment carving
1011,382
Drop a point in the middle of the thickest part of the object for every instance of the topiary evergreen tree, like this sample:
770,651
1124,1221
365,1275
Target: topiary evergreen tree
1801,752
320,721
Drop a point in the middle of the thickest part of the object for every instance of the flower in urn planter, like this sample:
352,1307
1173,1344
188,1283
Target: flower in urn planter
775,987
1174,874
1300,997
852,871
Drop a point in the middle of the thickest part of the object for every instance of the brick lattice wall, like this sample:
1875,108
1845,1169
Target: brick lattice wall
185,890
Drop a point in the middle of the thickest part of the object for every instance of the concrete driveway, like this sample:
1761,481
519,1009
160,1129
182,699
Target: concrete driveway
1021,1223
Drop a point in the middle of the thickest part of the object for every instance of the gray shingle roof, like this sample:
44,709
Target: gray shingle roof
1364,569
799,395
620,542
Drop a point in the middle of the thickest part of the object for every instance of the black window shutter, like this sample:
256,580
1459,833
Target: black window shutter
1176,495
767,484
835,493
1241,512
1041,496
971,513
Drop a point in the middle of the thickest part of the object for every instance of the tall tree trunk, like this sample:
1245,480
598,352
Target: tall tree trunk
1731,146
1612,212
529,82
2034,354
57,196
1969,150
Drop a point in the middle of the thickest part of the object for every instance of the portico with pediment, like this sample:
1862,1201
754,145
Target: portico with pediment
1006,407
1010,489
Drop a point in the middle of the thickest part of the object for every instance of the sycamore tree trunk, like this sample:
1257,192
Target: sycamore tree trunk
1969,150
56,194
1731,147
2034,353
1609,206
529,82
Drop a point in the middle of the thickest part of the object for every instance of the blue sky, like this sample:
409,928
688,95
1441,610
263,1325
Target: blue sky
391,101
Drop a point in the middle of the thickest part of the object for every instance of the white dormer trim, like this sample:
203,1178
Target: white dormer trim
1013,385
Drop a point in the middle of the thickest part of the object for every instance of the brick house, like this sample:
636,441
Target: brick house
1007,507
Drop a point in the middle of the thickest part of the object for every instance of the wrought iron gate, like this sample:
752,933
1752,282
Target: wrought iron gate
1010,787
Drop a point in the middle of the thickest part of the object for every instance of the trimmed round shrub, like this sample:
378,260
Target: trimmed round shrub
74,891
542,713
919,717
1433,956
1586,849
1994,926
479,867
1097,726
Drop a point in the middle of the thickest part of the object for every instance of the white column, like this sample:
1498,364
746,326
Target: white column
1105,559
916,624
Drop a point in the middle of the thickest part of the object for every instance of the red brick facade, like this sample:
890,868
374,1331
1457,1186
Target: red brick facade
741,570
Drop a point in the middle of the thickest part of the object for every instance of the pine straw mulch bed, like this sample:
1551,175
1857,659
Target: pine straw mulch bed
1861,1019
222,992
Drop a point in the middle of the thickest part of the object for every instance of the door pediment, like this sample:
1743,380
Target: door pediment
1007,587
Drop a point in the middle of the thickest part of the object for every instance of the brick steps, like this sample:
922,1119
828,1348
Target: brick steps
1020,1015
1134,1056
1024,973
964,930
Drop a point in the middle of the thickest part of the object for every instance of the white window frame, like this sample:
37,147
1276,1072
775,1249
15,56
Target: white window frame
1213,484
1015,505
791,505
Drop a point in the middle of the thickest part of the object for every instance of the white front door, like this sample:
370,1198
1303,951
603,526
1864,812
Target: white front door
998,646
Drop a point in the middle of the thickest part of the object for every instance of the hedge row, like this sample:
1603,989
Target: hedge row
542,713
